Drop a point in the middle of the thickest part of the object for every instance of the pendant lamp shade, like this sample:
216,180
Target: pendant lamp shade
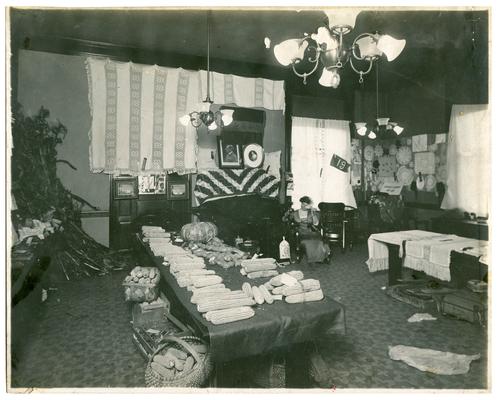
390,46
290,50
330,78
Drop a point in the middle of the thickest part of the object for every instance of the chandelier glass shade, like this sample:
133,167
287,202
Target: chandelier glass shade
327,48
382,124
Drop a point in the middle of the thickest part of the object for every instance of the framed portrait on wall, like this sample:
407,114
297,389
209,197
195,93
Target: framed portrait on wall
229,155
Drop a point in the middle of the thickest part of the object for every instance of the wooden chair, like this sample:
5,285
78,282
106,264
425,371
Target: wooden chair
333,223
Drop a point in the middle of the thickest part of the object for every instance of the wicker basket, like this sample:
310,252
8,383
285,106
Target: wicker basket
193,378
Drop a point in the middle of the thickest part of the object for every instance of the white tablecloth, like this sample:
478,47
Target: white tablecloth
428,252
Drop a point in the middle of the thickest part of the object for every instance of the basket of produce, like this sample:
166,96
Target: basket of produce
142,284
179,362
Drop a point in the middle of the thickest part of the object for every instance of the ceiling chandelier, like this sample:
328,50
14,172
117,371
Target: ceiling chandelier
382,124
212,120
327,47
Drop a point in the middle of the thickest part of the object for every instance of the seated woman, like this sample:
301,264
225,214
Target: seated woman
306,220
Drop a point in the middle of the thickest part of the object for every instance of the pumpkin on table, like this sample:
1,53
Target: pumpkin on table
199,231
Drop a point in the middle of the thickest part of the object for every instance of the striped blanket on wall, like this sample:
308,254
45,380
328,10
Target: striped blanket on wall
219,183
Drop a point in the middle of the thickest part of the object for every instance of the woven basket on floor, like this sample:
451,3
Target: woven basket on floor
193,378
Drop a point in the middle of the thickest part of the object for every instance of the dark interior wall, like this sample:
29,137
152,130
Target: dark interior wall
59,83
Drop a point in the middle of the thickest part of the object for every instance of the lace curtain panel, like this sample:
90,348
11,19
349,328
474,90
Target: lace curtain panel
136,110
314,142
469,160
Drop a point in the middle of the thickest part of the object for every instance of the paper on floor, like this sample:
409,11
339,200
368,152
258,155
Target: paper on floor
417,317
437,362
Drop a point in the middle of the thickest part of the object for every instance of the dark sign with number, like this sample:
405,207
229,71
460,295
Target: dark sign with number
339,163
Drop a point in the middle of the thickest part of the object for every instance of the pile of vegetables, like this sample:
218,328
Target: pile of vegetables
142,284
216,252
174,363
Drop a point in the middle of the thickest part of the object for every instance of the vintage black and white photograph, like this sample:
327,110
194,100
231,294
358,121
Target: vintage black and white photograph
229,155
248,198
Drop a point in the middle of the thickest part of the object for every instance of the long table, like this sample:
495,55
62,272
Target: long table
273,327
424,251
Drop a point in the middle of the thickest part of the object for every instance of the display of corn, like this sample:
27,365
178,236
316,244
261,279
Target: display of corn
226,316
163,248
277,280
266,294
262,274
259,268
215,304
314,295
227,295
257,295
143,276
210,288
173,362
247,289
216,252
149,228
306,285
207,280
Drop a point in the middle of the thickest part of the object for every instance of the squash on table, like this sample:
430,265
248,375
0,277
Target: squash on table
199,231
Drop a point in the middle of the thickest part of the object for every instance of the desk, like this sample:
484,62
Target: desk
272,328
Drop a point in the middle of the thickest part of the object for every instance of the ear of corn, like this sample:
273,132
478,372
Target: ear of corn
201,298
209,288
315,295
184,281
262,274
266,294
259,267
306,285
166,360
179,364
279,289
195,272
229,315
213,305
246,288
167,373
189,363
177,353
201,281
186,267
257,261
258,297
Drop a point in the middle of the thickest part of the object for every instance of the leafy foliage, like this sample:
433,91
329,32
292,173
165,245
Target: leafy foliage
35,184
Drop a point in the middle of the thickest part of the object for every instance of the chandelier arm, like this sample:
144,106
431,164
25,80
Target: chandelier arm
306,74
359,71
353,46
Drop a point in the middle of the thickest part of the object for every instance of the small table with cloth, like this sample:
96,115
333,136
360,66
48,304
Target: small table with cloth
424,251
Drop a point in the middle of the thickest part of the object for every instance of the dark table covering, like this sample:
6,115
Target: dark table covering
273,327
464,267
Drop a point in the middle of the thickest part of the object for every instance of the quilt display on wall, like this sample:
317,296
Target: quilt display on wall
136,109
219,183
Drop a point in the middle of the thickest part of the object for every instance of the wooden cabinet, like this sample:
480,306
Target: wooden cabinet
127,205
